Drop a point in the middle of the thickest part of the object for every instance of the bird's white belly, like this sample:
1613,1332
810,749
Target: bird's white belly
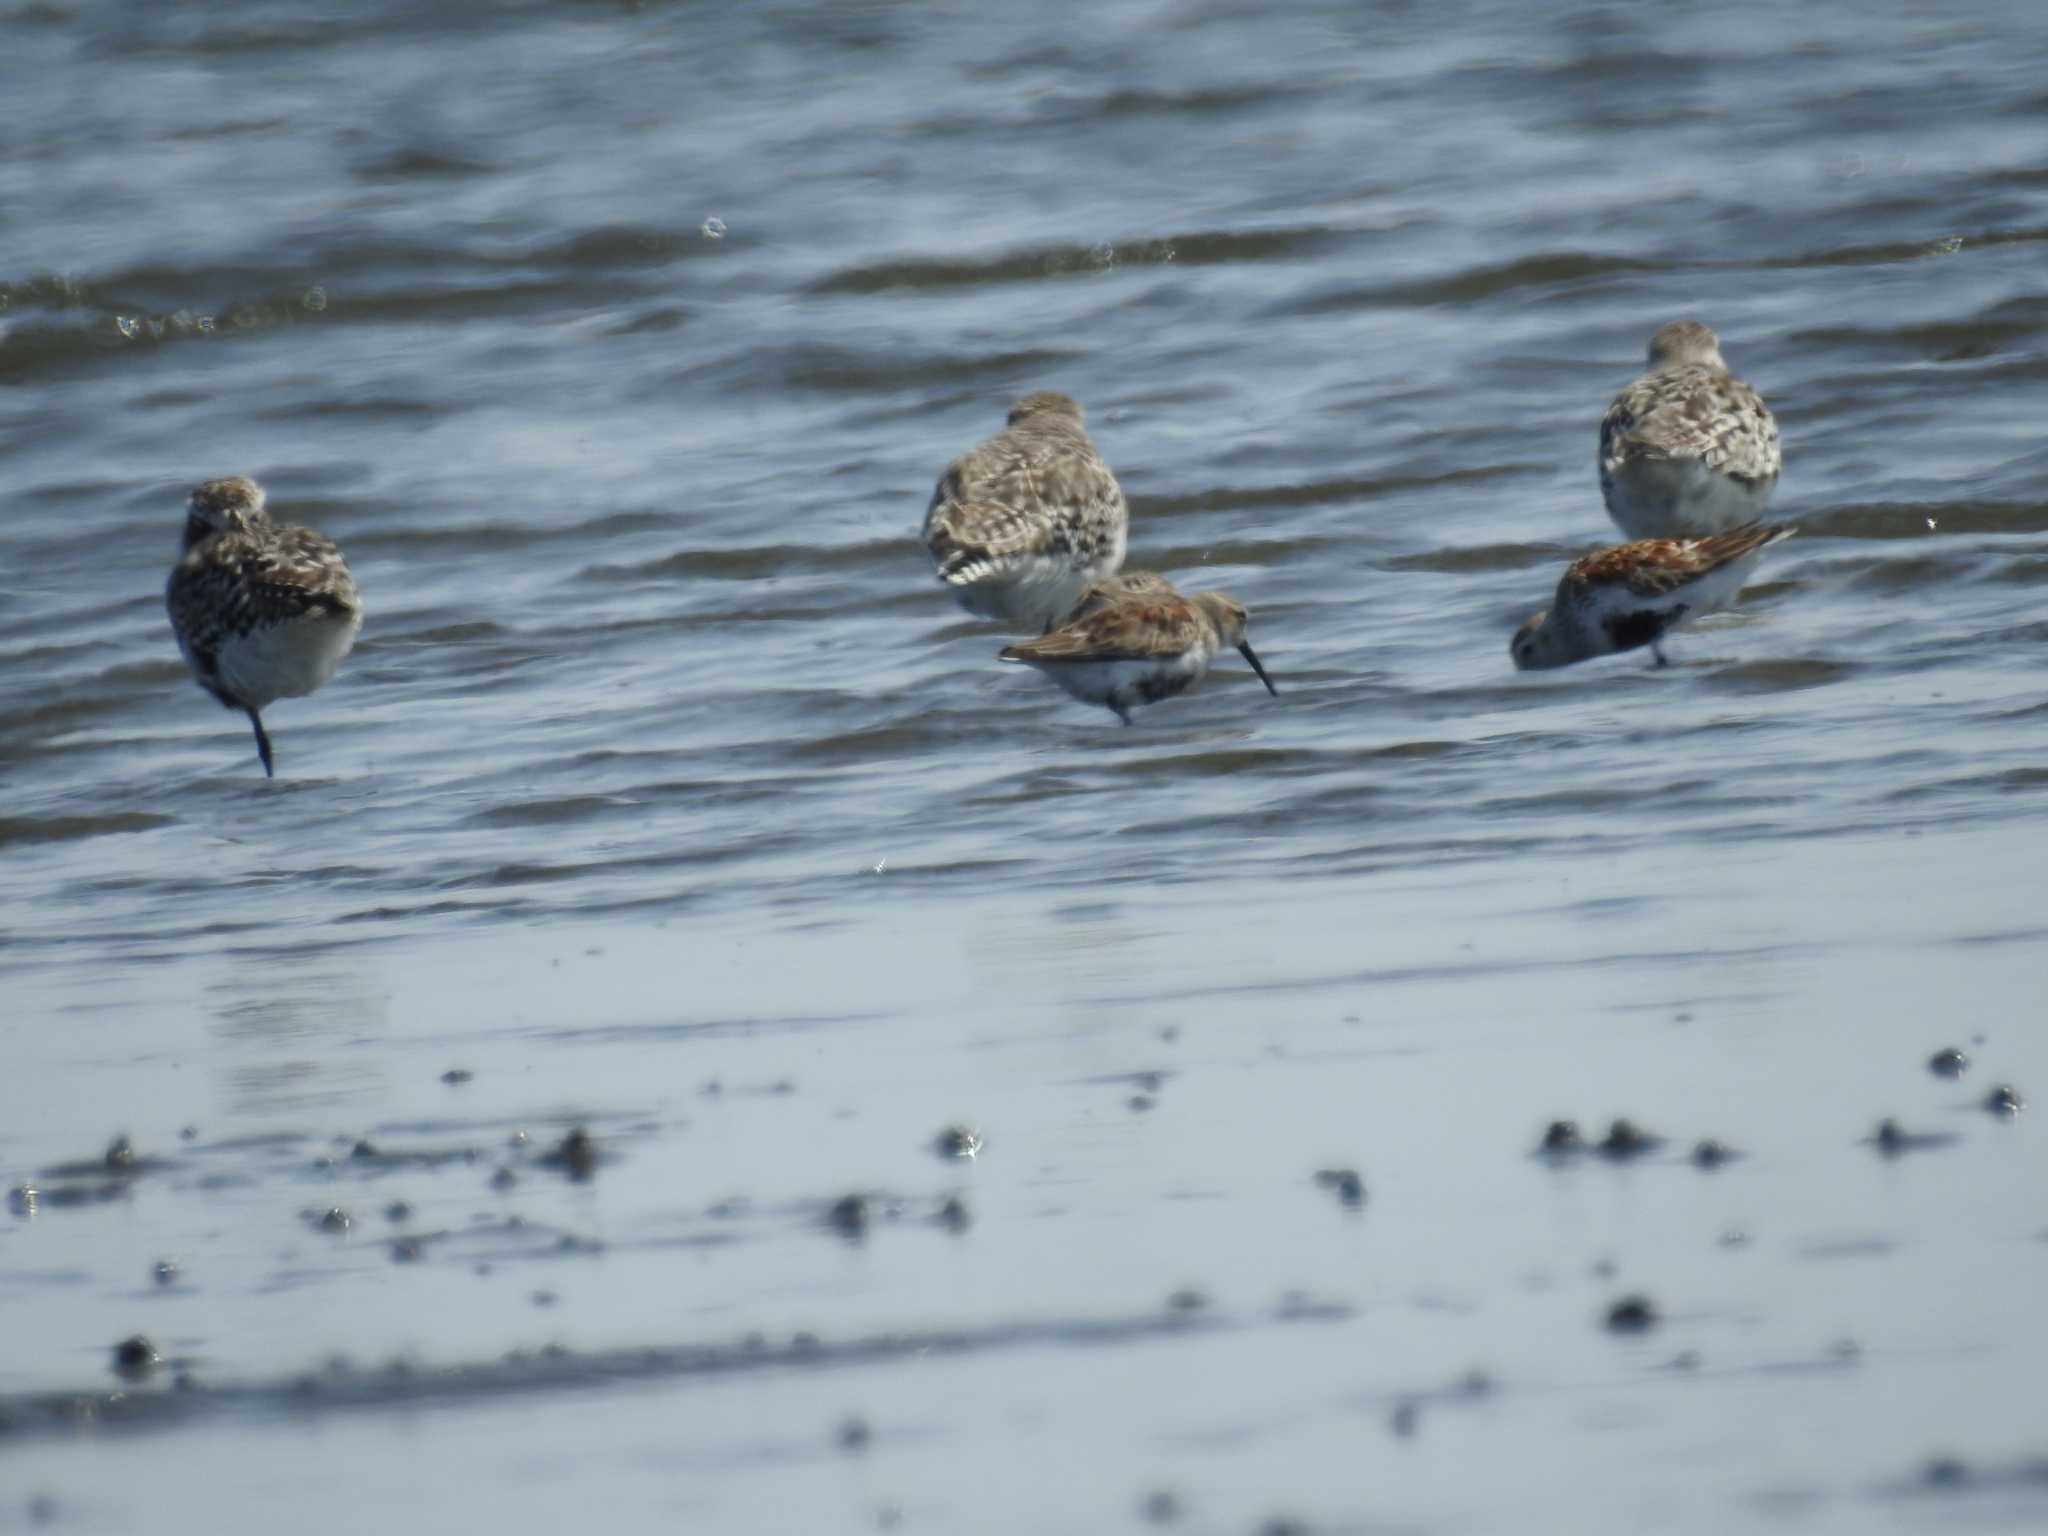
1682,498
284,661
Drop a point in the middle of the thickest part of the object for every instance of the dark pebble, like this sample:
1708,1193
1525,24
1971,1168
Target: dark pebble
1159,1507
849,1215
166,1272
1632,1314
406,1250
1349,1186
1561,1138
957,1141
134,1358
2004,1100
455,1077
1406,1419
333,1219
362,1152
854,1434
1711,1154
22,1199
1186,1300
1138,1103
576,1155
954,1215
1948,1062
120,1155
398,1210
1945,1472
1625,1139
503,1179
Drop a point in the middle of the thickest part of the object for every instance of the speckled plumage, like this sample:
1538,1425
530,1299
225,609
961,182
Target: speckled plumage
1120,588
261,611
1139,645
1633,594
1019,528
1687,449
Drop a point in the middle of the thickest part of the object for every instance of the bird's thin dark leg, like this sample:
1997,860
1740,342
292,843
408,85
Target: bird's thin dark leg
1657,650
262,744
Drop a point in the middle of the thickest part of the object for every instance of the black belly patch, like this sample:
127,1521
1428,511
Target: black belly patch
1645,626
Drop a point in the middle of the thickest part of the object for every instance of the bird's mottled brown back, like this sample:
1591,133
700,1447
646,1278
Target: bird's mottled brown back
1657,567
235,583
1038,487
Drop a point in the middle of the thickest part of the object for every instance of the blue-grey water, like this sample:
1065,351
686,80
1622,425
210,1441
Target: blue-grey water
667,795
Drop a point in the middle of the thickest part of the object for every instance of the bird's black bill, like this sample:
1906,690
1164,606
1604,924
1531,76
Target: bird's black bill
262,744
1245,650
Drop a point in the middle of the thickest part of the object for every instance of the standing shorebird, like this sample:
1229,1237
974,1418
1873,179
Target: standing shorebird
1022,526
262,612
1138,641
1631,595
1687,449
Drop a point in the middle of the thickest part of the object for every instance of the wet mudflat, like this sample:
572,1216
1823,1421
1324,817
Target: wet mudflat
687,1037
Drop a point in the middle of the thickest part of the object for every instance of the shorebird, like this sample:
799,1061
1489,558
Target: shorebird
1687,449
1140,645
1631,595
1023,525
262,611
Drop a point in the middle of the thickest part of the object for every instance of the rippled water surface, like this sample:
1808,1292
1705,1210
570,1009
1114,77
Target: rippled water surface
667,795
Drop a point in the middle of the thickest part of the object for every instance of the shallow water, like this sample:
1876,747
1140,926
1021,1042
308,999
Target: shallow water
668,795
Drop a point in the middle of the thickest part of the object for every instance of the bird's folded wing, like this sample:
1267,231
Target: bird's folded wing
1135,631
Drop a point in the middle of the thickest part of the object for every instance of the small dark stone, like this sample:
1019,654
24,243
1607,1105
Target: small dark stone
333,1219
1632,1314
362,1152
957,1141
1686,1360
1561,1137
1891,1138
455,1077
22,1199
805,1343
2005,1100
120,1155
188,1133
1945,1472
1159,1507
504,1179
712,1089
518,1140
1406,1418
544,1299
1711,1154
1149,1082
1349,1187
1625,1140
954,1215
1186,1300
166,1272
849,1215
134,1358
1138,1103
42,1509
406,1250
854,1434
398,1210
576,1154
1948,1062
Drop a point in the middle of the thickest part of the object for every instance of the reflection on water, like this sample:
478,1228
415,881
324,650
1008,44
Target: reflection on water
667,797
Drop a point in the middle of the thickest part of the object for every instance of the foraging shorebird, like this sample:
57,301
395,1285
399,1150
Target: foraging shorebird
1633,594
262,611
1687,449
1020,527
1140,645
